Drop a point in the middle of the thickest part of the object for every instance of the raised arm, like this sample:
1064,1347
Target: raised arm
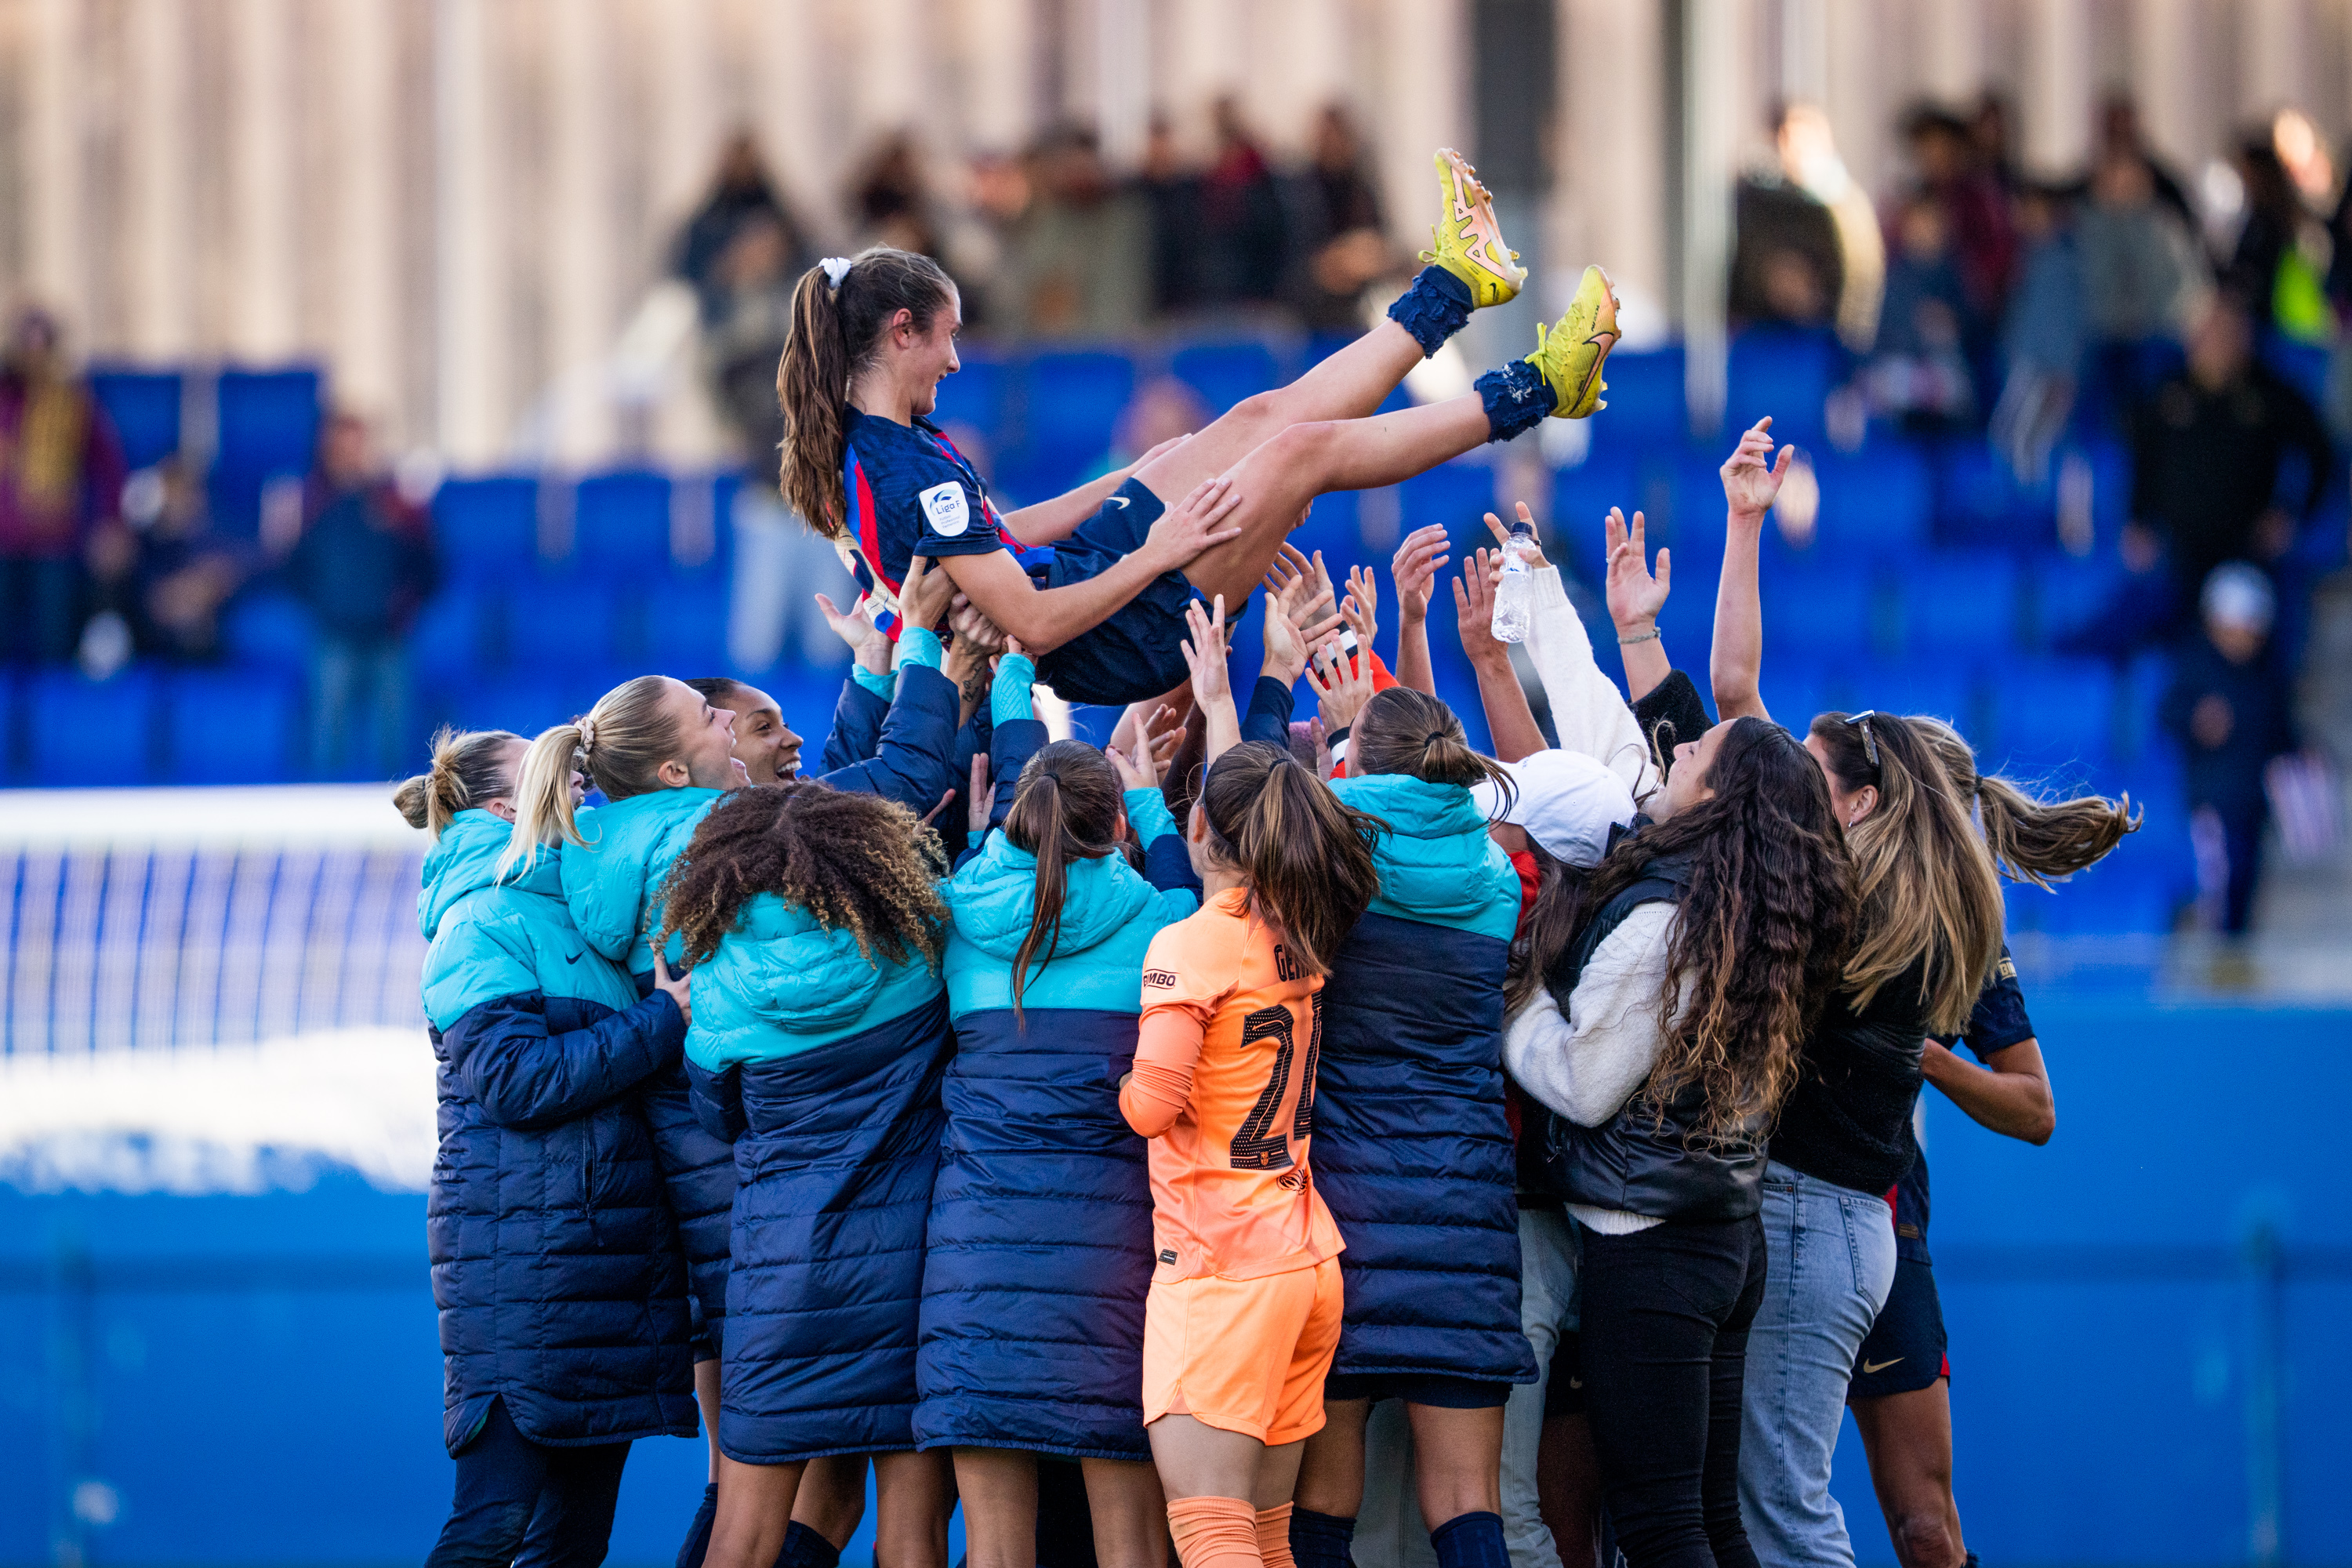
1634,600
1213,690
1415,567
1046,618
1751,481
1588,713
1509,719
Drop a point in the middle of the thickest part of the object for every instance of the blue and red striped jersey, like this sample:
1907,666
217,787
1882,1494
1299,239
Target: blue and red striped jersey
911,493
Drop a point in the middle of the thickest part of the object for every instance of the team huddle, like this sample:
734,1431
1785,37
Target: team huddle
1104,1133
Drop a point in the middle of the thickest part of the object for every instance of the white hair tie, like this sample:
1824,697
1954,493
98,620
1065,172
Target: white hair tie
837,268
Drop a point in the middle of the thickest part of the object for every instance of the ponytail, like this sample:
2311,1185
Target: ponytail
839,315
1403,730
1307,856
1066,809
468,769
2031,839
620,743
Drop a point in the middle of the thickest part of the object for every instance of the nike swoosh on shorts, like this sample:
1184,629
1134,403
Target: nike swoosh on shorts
1870,1368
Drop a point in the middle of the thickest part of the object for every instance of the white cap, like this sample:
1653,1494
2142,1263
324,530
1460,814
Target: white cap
1567,802
2237,594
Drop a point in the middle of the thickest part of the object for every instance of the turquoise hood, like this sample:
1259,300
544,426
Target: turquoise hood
780,984
489,939
1109,915
1437,864
610,881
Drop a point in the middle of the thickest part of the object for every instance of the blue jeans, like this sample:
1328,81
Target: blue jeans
550,1508
1829,1263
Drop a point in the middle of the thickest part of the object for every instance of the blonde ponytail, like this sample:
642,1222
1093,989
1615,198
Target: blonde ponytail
467,770
543,797
2032,838
620,743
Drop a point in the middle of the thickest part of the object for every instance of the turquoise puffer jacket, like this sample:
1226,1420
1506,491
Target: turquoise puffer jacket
612,879
779,984
1437,864
1109,914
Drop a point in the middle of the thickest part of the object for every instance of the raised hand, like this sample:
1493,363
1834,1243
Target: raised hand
924,596
1635,596
1142,764
1213,692
1751,477
868,643
1360,609
971,625
1494,525
1341,685
1474,608
1415,567
977,804
679,986
1185,530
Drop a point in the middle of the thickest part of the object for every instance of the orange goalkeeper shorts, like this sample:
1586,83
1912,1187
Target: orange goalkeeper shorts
1243,1355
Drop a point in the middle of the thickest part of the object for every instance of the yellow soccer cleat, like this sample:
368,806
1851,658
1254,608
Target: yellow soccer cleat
1570,355
1469,242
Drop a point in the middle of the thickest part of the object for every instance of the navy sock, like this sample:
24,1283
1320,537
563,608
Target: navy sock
806,1548
1320,1539
1436,306
1517,399
697,1535
1471,1540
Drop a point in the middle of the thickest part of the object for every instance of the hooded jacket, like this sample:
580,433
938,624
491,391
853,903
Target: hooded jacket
555,1261
823,1068
1040,1238
1413,1146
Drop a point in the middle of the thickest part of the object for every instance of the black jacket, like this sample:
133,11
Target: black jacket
1848,1121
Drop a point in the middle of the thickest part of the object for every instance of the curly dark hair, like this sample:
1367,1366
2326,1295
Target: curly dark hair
1764,929
856,862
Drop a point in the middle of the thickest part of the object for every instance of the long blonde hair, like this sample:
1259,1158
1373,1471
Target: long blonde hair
2032,838
620,743
1927,884
466,771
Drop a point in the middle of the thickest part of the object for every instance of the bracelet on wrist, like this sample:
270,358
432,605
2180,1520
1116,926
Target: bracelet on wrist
1650,636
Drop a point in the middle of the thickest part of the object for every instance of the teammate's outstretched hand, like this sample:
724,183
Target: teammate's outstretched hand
1751,477
1342,685
1473,609
924,598
868,643
976,807
1140,764
1415,566
1495,526
1213,692
679,987
1361,607
1635,596
1196,523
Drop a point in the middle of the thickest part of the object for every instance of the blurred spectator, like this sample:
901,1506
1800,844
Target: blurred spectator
1173,191
1162,409
2044,337
741,194
1339,242
2232,705
1077,263
1991,142
749,318
1787,264
890,200
62,477
1975,210
2141,271
1241,233
364,565
164,572
1920,374
2273,223
2209,451
2120,137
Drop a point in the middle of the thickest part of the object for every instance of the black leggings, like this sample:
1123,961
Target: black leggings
1665,1316
512,1491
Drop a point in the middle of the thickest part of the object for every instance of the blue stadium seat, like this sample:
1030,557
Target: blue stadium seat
1939,687
1793,688
489,527
620,525
144,407
231,726
1334,525
2064,592
265,624
1784,371
1963,605
1074,399
457,631
1647,405
2303,366
89,733
2051,716
1224,373
1458,495
980,396
559,625
686,627
523,702
268,420
1581,499
1880,500
1816,610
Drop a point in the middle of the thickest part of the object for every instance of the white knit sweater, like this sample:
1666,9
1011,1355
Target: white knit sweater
1588,711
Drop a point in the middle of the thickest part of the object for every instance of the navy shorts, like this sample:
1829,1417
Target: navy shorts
1138,652
1904,1350
1434,1389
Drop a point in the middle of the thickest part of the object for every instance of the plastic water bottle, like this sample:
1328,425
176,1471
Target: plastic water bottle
1515,595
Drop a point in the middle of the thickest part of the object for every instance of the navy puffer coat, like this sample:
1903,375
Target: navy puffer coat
1412,1147
1041,1222
823,1068
555,1261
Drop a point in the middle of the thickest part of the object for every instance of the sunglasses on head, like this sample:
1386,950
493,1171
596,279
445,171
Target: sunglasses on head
1869,741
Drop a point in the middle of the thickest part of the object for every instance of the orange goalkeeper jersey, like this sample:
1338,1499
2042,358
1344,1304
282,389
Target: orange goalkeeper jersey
1231,1190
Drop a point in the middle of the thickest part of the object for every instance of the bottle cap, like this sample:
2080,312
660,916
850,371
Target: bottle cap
1522,527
